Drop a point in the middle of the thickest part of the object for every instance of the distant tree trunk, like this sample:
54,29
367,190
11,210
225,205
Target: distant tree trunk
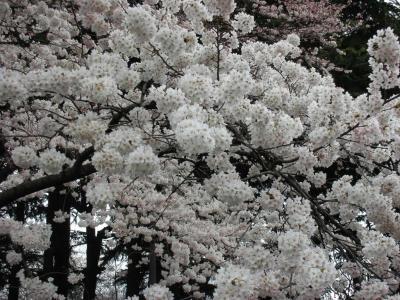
135,275
155,267
93,249
56,258
13,281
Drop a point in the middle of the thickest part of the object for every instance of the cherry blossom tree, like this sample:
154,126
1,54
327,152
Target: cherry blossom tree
312,20
199,163
317,23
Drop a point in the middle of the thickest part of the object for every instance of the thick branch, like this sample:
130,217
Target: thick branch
28,187
75,172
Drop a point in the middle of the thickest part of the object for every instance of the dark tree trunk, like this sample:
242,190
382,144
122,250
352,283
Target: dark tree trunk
135,275
56,258
154,267
13,281
14,284
93,250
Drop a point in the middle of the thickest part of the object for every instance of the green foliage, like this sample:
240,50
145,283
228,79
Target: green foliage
373,15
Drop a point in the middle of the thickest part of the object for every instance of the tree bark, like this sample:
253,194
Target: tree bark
93,249
134,277
56,258
13,281
28,187
154,267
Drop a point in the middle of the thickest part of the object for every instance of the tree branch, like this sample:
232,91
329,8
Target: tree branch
75,172
28,187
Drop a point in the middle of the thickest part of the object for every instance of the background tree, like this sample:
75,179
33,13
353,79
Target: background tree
373,15
317,23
